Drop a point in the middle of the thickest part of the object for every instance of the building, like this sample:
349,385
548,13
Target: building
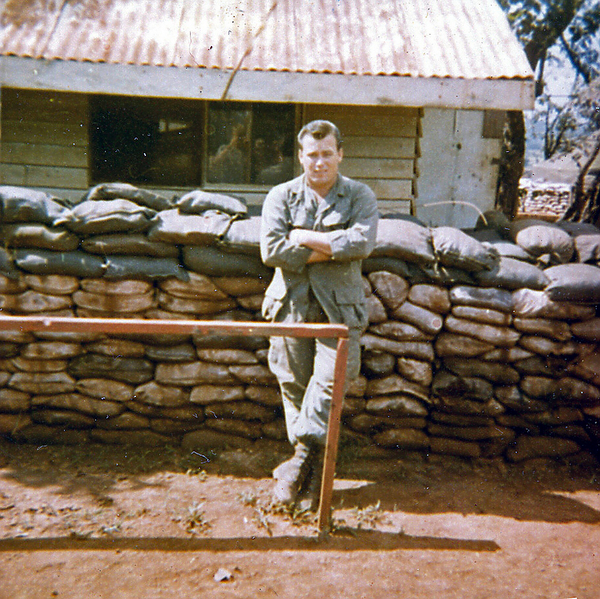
179,94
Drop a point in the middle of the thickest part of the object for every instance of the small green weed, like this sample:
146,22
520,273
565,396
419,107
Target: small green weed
195,519
370,516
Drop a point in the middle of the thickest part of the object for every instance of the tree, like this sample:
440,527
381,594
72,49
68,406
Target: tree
540,25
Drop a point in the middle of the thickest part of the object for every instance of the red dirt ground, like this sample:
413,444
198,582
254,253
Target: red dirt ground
117,522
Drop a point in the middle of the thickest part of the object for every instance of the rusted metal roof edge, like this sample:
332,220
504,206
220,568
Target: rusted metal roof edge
367,73
258,85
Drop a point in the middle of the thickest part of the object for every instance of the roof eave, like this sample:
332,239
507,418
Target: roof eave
267,86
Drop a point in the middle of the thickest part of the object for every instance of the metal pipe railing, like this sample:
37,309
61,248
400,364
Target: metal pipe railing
241,328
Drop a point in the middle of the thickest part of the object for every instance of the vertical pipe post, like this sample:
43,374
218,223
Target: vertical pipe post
333,433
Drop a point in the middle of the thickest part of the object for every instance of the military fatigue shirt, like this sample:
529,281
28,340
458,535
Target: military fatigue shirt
348,214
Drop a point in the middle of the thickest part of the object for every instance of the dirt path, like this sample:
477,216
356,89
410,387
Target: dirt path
107,522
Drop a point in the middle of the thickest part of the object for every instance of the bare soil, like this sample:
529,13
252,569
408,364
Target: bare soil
128,522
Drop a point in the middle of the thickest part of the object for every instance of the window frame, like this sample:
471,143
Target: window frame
161,108
246,187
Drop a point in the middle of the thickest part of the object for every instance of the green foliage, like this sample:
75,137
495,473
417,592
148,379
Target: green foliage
540,24
571,28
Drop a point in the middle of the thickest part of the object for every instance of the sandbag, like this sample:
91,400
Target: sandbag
23,205
243,236
21,235
433,297
448,384
129,244
95,217
396,266
496,299
504,247
404,239
447,275
531,303
428,321
496,335
512,274
198,201
46,262
578,283
586,238
587,247
140,267
196,287
392,289
588,330
213,262
539,237
114,303
127,370
400,331
457,249
125,191
172,226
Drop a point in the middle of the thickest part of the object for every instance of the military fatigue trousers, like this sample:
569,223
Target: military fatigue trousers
304,368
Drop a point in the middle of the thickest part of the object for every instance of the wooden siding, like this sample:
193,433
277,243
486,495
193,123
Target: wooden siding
45,141
45,144
380,148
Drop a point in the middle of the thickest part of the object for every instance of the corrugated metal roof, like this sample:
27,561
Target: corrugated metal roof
420,38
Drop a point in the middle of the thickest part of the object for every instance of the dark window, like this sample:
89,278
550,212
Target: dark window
161,142
143,140
250,143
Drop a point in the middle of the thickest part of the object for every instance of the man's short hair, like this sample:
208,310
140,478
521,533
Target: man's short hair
320,130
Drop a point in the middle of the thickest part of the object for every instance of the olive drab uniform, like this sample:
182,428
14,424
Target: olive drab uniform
330,291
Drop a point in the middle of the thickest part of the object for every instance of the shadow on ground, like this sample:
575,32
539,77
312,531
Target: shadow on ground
412,485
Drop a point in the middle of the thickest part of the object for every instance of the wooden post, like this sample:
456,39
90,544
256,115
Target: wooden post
333,433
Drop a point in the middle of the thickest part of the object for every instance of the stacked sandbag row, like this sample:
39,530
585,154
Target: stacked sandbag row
70,387
481,343
548,199
478,372
489,361
119,232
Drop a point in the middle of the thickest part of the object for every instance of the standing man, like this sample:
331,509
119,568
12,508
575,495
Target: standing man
316,230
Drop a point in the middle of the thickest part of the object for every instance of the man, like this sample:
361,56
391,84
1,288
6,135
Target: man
315,231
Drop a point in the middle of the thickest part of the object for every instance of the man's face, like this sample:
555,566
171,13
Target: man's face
320,159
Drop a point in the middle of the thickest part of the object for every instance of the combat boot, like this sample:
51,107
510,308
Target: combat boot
290,474
311,493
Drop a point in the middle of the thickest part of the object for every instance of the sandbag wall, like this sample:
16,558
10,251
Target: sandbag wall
481,344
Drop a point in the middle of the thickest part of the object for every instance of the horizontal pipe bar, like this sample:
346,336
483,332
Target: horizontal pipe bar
242,328
142,325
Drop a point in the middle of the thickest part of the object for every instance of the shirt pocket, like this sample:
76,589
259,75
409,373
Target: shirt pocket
352,307
338,217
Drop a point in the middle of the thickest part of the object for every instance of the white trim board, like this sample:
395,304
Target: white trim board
266,86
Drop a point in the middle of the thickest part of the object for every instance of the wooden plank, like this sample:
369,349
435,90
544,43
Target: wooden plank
44,105
370,121
46,176
391,189
44,133
379,147
378,168
11,174
268,86
331,111
43,155
376,126
395,207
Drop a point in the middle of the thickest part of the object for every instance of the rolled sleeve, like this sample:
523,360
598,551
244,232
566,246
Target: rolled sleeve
358,240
